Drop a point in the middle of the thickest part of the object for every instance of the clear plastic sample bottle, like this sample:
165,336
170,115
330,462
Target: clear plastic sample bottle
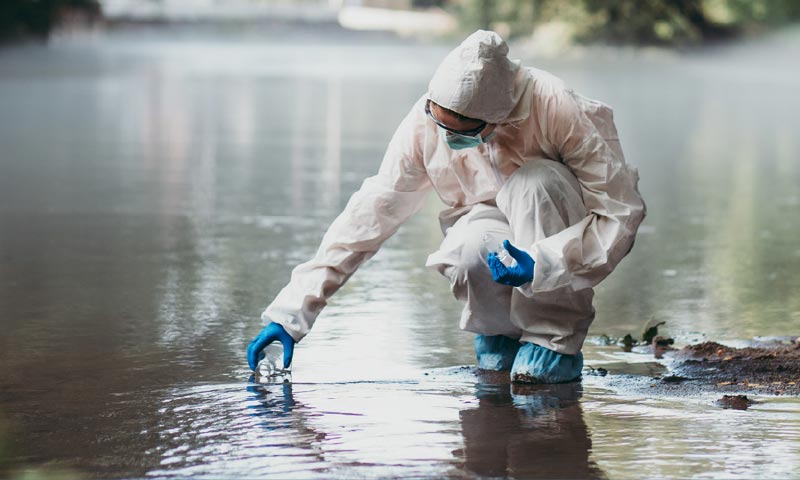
270,369
492,244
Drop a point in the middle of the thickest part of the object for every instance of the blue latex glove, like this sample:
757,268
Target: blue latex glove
519,274
270,333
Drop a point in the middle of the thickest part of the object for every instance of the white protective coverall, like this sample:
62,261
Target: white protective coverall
553,181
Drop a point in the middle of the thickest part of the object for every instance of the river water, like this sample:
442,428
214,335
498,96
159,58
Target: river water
156,190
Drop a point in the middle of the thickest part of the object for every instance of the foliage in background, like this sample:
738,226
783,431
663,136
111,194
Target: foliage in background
21,18
649,22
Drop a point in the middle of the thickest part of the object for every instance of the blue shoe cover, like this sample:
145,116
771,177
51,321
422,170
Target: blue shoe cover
536,364
496,352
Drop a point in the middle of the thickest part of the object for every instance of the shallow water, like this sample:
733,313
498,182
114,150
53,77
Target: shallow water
156,191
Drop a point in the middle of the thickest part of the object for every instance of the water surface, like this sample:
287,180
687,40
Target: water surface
156,191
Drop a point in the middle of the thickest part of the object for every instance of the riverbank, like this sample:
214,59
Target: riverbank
764,367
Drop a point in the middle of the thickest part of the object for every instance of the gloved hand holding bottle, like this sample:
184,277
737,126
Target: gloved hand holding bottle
515,275
269,334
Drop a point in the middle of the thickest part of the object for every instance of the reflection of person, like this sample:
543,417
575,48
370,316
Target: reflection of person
527,431
517,155
280,411
268,400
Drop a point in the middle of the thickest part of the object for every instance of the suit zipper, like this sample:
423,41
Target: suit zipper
498,176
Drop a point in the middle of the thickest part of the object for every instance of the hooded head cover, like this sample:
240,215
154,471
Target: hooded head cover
477,79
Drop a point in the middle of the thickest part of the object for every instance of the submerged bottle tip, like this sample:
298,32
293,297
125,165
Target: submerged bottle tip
270,369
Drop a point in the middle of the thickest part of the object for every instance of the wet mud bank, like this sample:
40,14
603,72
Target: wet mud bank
761,368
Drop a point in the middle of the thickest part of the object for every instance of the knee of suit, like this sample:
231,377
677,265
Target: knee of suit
471,263
540,175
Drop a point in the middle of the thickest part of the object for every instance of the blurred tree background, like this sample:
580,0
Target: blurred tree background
637,22
36,18
616,22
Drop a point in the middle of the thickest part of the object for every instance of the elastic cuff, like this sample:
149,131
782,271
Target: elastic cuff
287,325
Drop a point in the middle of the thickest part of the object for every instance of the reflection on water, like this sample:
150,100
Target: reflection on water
533,432
527,431
155,194
451,426
688,437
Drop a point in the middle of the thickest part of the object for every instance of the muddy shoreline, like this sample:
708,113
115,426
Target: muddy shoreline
763,368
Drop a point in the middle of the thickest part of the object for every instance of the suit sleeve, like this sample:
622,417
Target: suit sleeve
582,133
372,215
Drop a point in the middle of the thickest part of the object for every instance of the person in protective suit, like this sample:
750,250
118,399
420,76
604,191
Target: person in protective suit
517,155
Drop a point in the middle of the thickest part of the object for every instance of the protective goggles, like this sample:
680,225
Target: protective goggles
467,133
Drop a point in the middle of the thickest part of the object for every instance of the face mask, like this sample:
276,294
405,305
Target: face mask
460,142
